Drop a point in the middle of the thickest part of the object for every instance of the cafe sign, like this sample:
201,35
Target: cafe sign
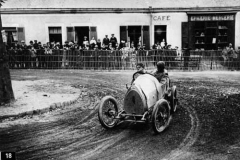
161,18
212,18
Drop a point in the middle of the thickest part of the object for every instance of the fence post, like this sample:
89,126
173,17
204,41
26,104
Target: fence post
211,60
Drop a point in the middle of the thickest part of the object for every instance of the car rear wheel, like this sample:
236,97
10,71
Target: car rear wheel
107,112
161,116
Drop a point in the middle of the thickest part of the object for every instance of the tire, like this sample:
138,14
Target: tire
107,112
173,100
161,116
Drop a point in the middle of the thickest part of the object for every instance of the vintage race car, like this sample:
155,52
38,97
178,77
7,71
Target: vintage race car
146,100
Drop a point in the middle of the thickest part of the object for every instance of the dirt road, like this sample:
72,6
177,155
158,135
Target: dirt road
205,126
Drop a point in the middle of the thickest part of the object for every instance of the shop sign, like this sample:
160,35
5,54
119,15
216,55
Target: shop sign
161,18
212,18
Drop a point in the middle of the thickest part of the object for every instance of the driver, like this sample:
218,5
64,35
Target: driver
140,70
161,73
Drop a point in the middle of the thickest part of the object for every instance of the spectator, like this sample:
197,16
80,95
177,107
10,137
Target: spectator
85,42
99,44
23,45
111,47
35,45
92,43
33,53
30,45
235,56
163,43
230,53
113,40
121,45
40,45
132,48
178,52
154,46
48,56
143,47
238,58
87,47
158,46
125,55
117,46
66,45
104,48
56,55
138,47
96,48
225,55
106,41
52,44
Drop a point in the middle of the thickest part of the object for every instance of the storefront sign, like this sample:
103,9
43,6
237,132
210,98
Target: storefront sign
161,18
212,18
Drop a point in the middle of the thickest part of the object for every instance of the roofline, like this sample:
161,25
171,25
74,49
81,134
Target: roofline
192,10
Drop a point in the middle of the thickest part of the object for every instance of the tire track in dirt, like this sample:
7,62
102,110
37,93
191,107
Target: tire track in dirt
189,140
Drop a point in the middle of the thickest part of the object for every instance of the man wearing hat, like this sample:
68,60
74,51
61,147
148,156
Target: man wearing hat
113,40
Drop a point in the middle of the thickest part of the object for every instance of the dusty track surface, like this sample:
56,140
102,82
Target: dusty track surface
205,126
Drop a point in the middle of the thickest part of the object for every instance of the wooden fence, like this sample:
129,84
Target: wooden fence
120,60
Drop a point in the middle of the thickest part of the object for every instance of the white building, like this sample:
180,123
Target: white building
204,24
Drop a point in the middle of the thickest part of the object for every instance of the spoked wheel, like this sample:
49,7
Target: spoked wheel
173,100
107,112
161,116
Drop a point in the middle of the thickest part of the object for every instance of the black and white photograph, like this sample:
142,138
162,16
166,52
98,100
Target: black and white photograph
120,80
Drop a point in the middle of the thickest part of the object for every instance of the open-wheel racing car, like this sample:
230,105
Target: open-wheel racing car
146,100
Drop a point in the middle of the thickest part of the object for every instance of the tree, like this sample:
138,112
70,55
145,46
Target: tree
6,91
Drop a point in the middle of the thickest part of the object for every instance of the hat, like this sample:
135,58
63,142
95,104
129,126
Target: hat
112,34
35,40
22,41
31,42
66,41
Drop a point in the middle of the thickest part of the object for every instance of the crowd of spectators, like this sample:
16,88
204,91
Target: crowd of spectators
57,55
231,57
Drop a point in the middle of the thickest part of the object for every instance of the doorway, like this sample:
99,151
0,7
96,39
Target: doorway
160,32
80,32
134,33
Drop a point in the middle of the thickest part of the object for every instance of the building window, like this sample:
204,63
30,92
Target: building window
11,35
137,35
55,34
211,32
160,34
